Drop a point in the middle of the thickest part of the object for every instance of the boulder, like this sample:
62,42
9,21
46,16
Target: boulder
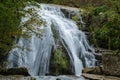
93,70
111,64
16,77
99,77
14,71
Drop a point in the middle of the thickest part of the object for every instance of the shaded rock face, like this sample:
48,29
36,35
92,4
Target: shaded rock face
111,64
69,12
15,71
16,77
98,55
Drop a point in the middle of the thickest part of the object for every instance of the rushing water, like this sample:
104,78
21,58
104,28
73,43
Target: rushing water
37,58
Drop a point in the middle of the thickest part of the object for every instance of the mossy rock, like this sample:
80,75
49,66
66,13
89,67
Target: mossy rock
60,62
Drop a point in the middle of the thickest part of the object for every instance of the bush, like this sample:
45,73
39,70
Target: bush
104,24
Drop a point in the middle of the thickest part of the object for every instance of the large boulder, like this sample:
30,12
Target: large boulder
16,77
111,64
99,77
93,70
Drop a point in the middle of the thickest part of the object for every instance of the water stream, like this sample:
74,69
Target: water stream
35,51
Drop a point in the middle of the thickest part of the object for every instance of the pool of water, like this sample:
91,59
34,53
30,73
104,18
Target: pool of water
61,77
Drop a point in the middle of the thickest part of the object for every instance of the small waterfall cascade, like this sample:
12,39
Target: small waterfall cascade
35,52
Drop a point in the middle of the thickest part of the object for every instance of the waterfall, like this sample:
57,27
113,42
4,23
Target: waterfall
35,52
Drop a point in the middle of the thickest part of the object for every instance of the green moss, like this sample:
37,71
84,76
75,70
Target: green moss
60,61
54,32
100,9
77,20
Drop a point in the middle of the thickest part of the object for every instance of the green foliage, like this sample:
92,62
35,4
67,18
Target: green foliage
55,33
60,61
115,5
30,25
76,19
9,21
99,10
104,23
11,12
74,3
109,32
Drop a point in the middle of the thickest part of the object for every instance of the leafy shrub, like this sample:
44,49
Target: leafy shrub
99,10
104,24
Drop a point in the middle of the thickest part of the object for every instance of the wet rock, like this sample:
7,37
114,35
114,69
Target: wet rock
111,64
69,12
93,70
15,71
99,77
101,50
16,77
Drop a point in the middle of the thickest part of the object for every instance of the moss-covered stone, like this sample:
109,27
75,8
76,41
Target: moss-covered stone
60,62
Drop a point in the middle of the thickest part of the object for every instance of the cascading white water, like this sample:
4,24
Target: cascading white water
37,58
